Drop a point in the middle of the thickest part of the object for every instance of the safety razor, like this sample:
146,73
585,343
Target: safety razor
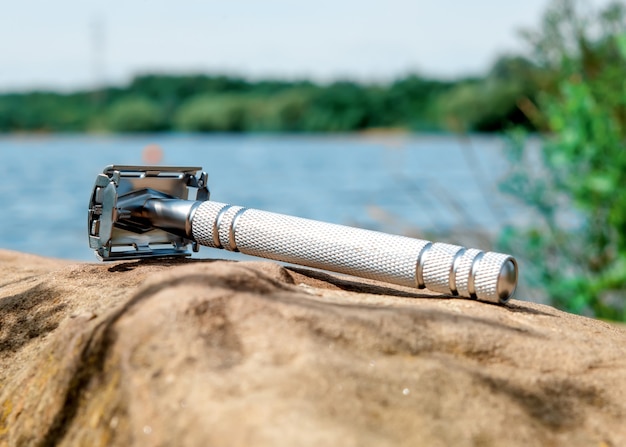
151,211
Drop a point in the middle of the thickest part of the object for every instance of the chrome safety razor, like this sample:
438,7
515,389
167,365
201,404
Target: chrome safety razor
148,211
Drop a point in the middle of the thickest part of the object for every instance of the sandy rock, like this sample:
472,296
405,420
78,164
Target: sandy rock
162,353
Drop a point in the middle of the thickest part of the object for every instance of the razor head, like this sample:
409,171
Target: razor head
115,235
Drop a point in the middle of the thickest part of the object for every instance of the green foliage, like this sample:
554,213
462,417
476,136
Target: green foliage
412,102
134,114
480,106
286,111
493,102
340,107
206,113
577,186
164,102
44,111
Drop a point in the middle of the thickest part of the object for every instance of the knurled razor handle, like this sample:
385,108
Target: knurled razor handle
444,268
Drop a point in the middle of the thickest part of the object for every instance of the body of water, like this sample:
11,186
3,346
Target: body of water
400,184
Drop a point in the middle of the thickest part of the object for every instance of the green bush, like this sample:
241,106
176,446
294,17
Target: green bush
481,106
280,112
577,187
494,102
340,107
205,113
135,114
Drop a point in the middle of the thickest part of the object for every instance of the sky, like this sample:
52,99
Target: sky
72,44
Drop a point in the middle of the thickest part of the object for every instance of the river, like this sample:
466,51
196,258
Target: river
405,184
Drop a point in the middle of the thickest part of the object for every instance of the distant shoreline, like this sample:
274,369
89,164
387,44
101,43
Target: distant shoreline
213,103
378,133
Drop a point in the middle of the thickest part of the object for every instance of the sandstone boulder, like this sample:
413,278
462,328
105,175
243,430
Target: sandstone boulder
218,353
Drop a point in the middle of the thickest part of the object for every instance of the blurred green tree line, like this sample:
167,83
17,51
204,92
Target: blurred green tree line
204,103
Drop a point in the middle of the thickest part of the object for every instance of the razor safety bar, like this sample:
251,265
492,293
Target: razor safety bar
148,211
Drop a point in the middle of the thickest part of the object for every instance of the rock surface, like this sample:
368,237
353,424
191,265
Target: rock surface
164,353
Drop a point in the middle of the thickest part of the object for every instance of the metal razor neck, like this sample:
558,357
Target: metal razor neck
172,215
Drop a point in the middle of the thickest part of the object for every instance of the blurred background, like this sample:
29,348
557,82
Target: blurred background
490,124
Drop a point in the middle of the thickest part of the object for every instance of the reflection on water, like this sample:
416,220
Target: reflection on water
401,184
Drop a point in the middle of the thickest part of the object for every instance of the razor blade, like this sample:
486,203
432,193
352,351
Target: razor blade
149,211
119,227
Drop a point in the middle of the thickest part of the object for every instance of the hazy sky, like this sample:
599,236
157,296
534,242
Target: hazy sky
72,43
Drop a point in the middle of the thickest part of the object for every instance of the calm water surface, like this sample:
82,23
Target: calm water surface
395,184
